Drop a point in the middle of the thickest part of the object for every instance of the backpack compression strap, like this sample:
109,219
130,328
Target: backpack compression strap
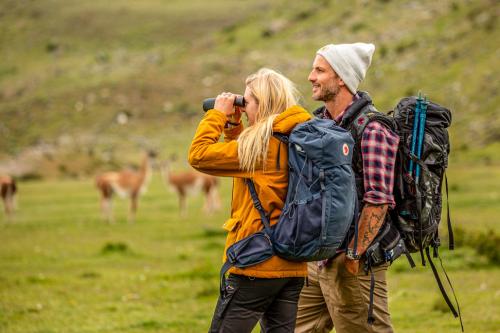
443,291
451,238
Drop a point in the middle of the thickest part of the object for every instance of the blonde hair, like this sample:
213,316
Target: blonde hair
274,94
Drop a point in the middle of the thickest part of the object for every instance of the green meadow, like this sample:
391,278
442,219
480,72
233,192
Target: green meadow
88,86
62,269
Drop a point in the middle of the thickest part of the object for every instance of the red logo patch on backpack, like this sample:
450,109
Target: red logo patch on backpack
345,149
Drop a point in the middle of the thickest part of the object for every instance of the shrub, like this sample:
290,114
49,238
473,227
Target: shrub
488,244
118,247
485,243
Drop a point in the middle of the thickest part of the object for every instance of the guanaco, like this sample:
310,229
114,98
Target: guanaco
186,182
127,184
8,190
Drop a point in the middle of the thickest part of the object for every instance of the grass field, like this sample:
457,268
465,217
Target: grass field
63,270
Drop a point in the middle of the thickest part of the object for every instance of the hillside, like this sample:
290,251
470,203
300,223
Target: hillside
85,85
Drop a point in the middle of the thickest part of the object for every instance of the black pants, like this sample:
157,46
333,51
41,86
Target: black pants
248,300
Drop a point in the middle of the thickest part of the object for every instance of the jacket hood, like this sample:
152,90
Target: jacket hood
288,119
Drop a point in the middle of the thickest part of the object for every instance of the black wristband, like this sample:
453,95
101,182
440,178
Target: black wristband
228,123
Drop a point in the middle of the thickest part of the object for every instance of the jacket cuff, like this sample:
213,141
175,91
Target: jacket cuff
217,115
233,132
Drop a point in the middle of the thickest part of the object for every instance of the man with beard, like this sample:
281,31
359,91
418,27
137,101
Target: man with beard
338,290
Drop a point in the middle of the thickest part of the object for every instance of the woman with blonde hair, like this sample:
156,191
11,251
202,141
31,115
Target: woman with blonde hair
269,291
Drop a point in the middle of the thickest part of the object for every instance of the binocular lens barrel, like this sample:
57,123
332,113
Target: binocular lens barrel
209,103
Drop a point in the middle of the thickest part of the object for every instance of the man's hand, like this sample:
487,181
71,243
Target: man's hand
352,266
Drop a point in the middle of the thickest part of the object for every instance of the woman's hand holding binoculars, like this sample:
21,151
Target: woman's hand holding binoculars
225,104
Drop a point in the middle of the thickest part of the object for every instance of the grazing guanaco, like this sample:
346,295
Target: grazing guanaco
8,191
127,184
186,182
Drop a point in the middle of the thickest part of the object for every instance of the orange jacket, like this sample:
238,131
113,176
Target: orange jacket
208,155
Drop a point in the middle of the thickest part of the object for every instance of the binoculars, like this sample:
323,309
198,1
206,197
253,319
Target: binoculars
209,103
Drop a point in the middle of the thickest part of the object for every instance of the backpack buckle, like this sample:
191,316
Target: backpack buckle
322,179
351,255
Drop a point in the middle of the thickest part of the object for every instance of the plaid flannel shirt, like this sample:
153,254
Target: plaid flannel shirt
379,147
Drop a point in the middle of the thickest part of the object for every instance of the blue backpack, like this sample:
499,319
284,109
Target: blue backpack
321,200
320,206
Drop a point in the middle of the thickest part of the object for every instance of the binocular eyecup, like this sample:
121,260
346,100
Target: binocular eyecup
209,103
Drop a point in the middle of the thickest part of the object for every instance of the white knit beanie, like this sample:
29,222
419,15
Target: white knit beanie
349,61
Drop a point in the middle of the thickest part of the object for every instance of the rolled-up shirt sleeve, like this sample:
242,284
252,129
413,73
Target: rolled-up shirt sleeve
379,147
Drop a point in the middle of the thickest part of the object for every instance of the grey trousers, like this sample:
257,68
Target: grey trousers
248,300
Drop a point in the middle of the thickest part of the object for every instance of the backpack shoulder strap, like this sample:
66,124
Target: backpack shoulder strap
367,115
282,137
258,205
285,139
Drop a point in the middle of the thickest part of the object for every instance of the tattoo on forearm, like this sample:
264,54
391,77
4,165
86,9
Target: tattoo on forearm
372,218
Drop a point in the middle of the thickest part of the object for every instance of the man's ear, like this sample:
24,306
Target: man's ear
341,82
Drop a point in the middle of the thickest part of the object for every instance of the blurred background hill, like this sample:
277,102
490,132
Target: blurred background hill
84,85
